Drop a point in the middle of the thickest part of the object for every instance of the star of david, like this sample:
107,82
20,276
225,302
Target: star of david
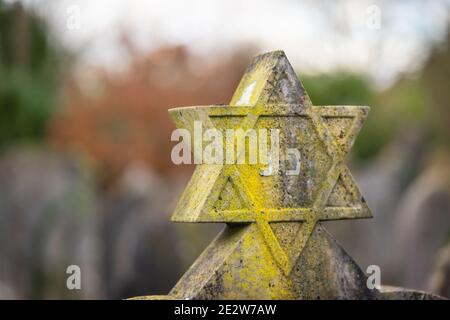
268,95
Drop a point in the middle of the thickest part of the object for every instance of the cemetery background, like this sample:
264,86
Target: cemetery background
85,170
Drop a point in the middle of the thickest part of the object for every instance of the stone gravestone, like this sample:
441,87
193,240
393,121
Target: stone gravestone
274,245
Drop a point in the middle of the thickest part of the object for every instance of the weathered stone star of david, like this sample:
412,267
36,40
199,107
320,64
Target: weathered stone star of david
274,244
271,96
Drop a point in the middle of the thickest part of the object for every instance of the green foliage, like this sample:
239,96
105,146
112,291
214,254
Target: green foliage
340,88
29,68
401,108
344,88
398,108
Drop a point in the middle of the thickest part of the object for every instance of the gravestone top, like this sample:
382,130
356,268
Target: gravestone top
271,166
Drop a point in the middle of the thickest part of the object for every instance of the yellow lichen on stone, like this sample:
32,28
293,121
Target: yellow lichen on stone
274,245
267,92
274,214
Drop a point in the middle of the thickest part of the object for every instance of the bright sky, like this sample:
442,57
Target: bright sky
381,38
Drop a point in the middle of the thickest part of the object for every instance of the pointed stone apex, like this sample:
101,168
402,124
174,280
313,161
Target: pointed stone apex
274,245
270,79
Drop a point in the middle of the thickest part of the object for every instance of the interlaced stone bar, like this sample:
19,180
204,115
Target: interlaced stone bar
274,245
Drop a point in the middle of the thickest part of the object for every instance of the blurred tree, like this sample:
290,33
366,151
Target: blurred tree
29,67
436,79
394,110
343,88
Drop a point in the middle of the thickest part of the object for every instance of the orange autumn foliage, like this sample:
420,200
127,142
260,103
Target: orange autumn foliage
125,119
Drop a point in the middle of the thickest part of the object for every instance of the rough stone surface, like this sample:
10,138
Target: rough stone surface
274,245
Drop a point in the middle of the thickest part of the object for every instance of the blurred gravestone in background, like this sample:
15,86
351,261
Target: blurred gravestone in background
47,222
439,280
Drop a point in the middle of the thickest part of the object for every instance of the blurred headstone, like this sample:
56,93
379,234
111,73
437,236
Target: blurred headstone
383,180
133,231
47,223
422,225
439,281
141,249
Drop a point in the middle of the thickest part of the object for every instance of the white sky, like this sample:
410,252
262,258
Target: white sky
317,36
